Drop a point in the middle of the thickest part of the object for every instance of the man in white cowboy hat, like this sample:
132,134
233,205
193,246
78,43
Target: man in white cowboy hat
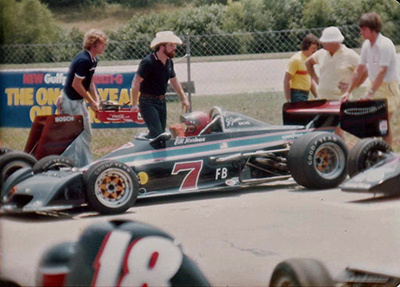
336,65
151,80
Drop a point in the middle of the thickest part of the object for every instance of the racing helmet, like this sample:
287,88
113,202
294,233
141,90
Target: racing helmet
195,122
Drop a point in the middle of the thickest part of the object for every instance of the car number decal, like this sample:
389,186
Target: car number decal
192,177
147,261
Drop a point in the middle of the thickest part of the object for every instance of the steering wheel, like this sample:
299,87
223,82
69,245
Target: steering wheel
217,118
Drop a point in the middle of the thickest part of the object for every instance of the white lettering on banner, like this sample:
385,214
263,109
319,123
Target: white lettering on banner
64,119
59,78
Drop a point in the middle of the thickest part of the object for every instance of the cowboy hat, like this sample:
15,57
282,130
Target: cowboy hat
165,37
331,35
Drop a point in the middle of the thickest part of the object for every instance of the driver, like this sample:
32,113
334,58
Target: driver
195,122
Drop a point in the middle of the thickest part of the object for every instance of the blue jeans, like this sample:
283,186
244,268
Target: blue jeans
154,114
298,95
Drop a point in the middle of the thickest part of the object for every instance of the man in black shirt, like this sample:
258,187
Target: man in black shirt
80,87
151,79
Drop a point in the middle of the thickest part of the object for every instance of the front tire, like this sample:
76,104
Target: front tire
13,161
366,153
300,272
111,187
52,162
318,160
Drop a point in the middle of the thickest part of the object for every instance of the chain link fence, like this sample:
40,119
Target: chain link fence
201,46
240,72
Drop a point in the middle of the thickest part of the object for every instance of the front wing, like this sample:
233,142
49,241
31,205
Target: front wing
384,177
48,191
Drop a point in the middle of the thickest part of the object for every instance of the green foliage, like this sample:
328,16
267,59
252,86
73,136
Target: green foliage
26,22
317,13
130,3
209,2
247,15
346,12
198,21
8,24
286,13
216,27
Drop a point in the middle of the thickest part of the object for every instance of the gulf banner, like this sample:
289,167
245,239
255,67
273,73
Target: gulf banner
25,95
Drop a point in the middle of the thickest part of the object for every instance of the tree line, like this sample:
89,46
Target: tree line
32,22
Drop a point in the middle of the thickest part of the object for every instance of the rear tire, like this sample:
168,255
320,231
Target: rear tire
111,187
301,272
318,160
13,161
366,153
4,150
52,162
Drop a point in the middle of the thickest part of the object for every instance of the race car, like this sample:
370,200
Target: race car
305,272
119,253
373,168
218,150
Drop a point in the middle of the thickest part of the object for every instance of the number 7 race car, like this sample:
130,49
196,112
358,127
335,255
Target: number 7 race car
217,150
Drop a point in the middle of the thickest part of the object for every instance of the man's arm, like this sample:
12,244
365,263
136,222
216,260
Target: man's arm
378,81
286,85
93,92
79,88
313,89
178,89
310,62
137,80
358,75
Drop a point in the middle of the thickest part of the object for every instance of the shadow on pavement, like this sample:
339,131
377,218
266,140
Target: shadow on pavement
84,212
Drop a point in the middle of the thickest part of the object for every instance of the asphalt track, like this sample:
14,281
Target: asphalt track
235,237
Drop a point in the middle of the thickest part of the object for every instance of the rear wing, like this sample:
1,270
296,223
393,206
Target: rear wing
360,118
52,134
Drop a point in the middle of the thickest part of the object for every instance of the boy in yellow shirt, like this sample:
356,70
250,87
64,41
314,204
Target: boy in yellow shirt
297,83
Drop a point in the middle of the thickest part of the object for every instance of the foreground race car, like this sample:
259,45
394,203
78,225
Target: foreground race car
217,151
304,272
373,168
119,253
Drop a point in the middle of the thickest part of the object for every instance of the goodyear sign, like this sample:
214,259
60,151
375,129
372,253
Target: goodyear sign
25,95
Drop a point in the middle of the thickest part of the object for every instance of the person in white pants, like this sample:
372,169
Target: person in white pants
80,88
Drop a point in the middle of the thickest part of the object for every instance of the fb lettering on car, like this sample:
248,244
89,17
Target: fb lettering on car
221,173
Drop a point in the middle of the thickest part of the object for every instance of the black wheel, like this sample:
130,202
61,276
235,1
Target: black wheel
301,272
7,283
4,150
366,153
13,161
52,162
111,187
318,160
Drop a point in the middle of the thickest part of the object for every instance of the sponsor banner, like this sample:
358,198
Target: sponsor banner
25,95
